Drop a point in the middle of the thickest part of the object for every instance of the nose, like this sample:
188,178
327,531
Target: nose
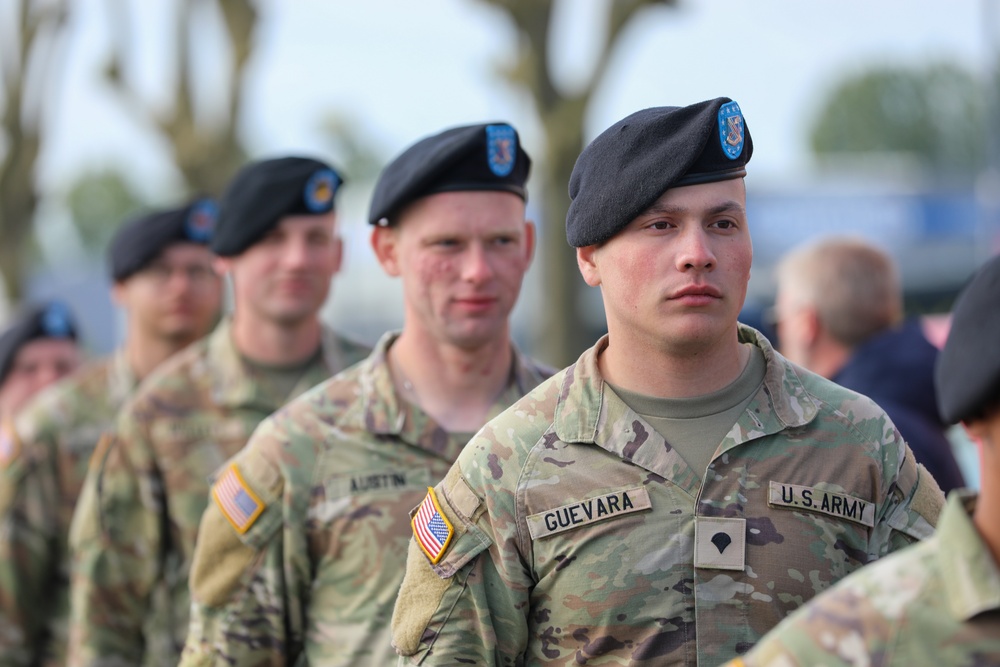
296,253
476,267
696,251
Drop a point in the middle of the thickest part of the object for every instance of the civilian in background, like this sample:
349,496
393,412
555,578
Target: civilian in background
839,313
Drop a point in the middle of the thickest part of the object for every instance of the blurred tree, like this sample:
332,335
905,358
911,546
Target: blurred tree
32,37
203,140
99,202
564,334
935,114
355,152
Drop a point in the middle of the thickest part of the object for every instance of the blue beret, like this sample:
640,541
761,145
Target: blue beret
49,320
262,193
967,374
141,239
471,157
632,163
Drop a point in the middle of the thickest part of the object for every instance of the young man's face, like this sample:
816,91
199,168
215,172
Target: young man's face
285,277
176,297
462,257
37,364
676,277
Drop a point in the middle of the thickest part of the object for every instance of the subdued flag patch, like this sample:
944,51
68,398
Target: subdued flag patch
237,500
432,528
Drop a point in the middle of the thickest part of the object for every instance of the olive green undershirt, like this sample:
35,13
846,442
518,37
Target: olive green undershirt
695,426
281,380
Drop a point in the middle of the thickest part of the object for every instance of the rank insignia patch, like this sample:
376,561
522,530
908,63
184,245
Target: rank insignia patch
731,129
501,148
432,528
237,500
320,190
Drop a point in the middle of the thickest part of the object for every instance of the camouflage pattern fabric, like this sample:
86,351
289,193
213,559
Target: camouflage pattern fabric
56,433
581,537
937,603
134,530
314,576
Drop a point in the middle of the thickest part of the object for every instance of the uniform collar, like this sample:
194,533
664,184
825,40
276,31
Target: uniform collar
385,413
970,576
122,380
587,413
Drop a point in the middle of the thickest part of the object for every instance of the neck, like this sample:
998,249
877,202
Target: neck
828,356
673,373
456,386
275,344
144,353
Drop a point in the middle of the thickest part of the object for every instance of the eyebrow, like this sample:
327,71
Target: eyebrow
671,209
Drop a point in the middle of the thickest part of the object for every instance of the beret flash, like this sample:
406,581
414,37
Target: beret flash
967,373
49,320
141,239
471,157
626,169
262,193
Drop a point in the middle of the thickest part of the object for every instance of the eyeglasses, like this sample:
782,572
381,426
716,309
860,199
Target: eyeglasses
160,272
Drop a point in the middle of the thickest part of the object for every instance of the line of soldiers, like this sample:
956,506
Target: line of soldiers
275,494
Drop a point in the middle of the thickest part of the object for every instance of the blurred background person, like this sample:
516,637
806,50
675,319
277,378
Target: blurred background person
938,602
39,347
164,282
839,313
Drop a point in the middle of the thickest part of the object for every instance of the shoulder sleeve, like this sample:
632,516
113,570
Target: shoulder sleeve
465,596
244,610
116,537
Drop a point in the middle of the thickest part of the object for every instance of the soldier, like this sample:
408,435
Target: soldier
134,529
937,603
164,281
312,571
37,349
673,494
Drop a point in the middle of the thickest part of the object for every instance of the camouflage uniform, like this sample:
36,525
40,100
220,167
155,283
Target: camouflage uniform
134,530
56,434
579,536
935,604
315,574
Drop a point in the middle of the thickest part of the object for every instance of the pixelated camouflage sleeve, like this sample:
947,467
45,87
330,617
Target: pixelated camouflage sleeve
241,598
29,524
470,605
116,542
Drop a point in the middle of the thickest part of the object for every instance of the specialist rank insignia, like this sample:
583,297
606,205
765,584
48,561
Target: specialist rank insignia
237,500
731,129
431,528
501,149
320,189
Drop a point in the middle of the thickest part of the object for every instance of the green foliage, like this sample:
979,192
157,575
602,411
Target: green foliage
935,113
99,202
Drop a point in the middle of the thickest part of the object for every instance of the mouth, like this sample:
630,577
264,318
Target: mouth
696,291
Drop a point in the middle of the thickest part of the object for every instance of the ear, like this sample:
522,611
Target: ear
586,260
385,243
529,240
337,249
812,328
119,294
222,266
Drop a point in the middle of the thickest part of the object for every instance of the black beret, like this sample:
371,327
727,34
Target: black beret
487,156
626,169
967,374
264,192
143,238
49,320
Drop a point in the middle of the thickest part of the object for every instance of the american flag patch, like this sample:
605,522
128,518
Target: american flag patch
237,500
432,528
9,444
